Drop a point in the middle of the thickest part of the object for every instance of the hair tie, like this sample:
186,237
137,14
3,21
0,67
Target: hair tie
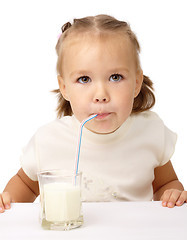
65,26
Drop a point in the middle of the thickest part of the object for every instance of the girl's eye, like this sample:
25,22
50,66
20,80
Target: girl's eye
84,79
116,77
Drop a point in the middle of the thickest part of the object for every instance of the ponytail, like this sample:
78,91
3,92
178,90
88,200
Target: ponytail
146,98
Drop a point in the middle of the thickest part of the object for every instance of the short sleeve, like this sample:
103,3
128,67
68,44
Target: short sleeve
170,139
29,159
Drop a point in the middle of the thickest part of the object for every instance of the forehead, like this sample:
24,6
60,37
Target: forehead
96,45
91,39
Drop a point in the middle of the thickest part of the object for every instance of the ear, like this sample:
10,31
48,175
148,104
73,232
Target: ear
62,87
139,81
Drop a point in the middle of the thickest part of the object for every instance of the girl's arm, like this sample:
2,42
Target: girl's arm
20,188
167,188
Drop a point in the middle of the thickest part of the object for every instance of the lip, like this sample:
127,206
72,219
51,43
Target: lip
102,115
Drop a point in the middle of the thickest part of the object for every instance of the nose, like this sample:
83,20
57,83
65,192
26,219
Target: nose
101,95
100,100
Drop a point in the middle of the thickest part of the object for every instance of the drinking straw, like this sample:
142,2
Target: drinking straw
79,141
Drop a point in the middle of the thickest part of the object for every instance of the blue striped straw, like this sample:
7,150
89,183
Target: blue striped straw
79,141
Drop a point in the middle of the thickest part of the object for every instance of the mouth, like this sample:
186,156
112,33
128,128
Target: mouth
102,115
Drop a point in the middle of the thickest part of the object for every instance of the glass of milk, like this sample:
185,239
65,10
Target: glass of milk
60,199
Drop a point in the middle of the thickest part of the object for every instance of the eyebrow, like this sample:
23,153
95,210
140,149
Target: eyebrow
85,72
79,72
120,69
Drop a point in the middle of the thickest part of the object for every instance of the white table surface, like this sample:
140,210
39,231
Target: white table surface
110,220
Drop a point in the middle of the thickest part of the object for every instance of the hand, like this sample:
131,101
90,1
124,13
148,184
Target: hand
5,201
172,197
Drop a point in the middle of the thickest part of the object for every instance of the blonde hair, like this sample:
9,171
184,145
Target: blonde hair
103,24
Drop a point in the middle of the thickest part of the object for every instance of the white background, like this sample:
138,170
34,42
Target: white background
28,35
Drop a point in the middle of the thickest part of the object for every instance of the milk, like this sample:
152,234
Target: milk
62,202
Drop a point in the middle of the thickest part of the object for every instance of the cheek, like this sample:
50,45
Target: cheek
125,99
79,98
79,107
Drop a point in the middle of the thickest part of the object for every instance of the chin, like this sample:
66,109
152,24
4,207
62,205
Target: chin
102,126
103,131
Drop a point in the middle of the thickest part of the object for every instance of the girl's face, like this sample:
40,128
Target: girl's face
99,76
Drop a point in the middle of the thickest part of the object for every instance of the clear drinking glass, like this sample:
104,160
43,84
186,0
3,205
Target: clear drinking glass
60,200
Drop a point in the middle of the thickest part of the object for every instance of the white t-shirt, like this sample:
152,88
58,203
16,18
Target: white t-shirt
116,166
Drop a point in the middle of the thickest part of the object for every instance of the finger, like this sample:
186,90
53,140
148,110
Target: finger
165,197
6,200
173,198
1,205
182,198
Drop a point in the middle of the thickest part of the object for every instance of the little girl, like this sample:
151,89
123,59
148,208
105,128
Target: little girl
126,149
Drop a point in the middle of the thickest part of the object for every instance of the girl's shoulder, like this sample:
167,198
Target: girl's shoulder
150,124
147,117
56,126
